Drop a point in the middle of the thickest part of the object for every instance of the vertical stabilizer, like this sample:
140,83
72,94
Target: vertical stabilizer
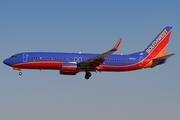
158,46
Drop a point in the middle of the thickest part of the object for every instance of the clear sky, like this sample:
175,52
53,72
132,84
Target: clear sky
89,26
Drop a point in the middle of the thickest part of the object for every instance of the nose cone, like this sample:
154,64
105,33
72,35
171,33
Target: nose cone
7,62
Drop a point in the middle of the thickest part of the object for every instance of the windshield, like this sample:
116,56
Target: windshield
13,56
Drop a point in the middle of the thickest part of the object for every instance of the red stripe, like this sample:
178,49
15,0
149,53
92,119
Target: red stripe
40,65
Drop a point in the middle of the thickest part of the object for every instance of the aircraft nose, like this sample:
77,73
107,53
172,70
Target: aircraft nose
6,61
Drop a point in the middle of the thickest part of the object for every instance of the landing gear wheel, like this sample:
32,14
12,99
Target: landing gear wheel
88,75
20,73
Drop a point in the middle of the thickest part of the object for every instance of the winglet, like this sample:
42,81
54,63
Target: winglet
117,45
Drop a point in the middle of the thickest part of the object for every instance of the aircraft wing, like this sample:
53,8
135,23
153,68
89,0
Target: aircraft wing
97,60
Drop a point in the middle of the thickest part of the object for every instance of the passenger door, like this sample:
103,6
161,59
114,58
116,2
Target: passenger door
25,57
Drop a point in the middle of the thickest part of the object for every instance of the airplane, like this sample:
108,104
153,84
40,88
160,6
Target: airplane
73,63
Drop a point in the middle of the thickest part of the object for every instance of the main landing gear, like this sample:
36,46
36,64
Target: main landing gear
88,75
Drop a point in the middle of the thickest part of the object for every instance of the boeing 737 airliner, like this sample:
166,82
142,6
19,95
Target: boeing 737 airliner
72,63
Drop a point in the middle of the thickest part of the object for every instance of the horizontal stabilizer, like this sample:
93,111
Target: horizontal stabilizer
164,57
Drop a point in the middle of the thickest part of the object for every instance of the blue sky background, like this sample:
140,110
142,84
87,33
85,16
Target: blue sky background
90,27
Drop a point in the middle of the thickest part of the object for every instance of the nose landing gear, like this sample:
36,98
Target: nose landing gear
88,75
20,73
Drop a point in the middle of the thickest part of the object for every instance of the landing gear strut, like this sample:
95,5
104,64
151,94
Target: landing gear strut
88,75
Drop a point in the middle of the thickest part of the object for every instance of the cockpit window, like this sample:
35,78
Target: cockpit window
13,56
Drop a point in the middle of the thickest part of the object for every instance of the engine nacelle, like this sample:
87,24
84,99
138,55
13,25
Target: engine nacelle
69,67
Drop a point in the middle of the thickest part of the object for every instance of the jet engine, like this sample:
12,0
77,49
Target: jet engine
69,69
